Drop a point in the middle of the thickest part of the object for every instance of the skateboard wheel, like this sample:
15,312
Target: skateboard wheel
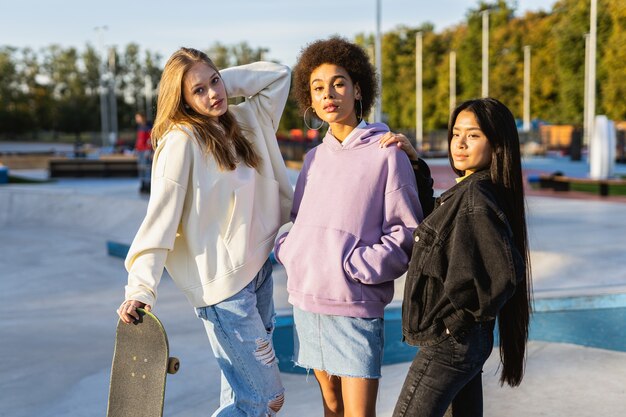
173,364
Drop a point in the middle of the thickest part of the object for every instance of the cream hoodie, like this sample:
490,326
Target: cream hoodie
213,230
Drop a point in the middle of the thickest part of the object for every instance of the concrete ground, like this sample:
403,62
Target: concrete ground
59,290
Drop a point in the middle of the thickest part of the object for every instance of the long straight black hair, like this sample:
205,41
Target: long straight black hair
498,124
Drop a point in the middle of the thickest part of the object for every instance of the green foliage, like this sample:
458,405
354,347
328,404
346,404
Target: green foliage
570,58
614,190
224,56
556,39
57,89
613,89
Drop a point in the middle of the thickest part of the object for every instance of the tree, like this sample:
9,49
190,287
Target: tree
545,79
152,68
90,68
57,88
243,53
13,107
132,78
220,55
612,61
571,24
74,111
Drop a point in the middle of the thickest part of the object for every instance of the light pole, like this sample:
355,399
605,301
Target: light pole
586,132
112,99
485,65
103,89
419,129
526,111
378,112
148,95
452,80
591,73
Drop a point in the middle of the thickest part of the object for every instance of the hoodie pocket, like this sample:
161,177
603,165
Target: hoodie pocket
313,257
254,219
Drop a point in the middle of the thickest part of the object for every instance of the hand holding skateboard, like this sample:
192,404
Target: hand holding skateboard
128,310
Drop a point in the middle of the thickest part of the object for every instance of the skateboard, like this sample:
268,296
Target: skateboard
140,364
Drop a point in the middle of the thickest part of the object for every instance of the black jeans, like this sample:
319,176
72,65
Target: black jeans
447,376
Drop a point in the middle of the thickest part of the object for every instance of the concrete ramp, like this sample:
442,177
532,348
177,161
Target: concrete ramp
59,290
96,213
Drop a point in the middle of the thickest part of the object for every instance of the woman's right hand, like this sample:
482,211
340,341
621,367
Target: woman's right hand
128,310
401,142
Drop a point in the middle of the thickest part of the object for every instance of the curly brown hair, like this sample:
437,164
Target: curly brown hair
336,51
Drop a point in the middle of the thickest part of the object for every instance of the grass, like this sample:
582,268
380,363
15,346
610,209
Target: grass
614,190
21,180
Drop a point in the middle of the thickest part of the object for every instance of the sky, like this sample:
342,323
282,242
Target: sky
282,26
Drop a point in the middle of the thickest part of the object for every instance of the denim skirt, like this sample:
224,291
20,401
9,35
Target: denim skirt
341,346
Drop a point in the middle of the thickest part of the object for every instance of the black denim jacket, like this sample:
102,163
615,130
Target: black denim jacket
464,265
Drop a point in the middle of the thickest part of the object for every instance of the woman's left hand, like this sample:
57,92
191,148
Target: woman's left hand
401,142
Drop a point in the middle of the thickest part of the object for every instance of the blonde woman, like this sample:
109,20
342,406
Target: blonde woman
219,194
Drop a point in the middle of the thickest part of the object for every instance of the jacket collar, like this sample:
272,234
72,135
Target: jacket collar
477,176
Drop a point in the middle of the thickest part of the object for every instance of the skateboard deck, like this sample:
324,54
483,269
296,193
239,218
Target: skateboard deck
140,364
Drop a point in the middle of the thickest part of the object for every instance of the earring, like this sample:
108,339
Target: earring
305,122
360,110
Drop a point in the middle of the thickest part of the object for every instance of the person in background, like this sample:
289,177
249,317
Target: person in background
469,266
355,207
219,194
143,150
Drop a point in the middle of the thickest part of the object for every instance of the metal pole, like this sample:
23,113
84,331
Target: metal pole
452,80
586,133
419,116
104,107
485,81
591,95
112,99
148,95
526,112
103,90
379,103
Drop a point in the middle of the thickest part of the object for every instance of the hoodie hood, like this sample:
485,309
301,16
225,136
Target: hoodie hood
364,136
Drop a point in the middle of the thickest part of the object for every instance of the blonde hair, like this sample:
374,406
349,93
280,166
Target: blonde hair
215,138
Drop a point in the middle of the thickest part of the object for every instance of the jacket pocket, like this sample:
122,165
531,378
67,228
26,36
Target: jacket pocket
254,219
421,290
421,254
314,257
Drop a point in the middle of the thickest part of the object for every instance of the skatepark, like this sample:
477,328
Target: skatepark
59,289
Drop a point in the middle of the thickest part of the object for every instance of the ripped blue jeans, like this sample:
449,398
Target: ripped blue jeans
240,331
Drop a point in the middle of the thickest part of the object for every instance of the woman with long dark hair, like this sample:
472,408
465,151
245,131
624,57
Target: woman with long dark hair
469,267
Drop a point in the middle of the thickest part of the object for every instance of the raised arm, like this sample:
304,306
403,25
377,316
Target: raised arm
266,84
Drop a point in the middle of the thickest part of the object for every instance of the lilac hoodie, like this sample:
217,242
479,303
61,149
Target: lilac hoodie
354,212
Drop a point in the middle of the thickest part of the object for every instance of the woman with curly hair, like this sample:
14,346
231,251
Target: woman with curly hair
355,208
